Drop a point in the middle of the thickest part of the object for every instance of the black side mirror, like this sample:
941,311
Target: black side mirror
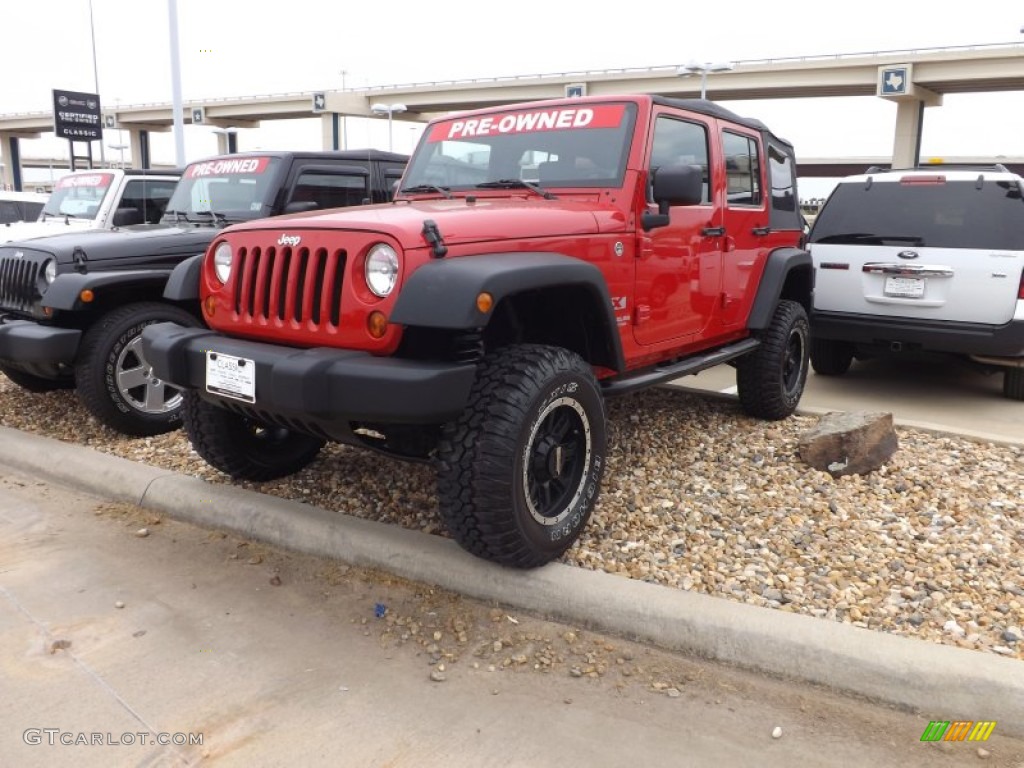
126,217
674,185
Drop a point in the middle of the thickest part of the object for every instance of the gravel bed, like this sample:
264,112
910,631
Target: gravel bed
698,496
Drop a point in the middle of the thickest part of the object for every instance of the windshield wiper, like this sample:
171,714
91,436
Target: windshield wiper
176,214
217,216
428,188
516,184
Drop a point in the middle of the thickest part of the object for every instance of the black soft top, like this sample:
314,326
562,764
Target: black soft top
712,109
335,154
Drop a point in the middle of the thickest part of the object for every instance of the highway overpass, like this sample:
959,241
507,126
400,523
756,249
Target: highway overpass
913,79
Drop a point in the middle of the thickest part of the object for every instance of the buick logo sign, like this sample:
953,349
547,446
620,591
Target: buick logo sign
907,254
62,100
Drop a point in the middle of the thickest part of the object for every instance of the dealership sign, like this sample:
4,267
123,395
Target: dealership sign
76,116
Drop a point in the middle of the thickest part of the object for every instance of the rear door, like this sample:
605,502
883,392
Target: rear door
921,246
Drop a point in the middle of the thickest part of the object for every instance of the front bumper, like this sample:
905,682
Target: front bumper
925,335
321,390
26,342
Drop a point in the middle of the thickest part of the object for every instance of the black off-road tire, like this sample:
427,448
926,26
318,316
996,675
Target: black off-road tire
243,448
770,380
111,349
519,472
830,358
1013,383
33,383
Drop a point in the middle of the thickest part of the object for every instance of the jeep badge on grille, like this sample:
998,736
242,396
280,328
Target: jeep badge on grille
291,240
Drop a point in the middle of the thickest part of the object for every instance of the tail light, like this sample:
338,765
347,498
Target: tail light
1020,288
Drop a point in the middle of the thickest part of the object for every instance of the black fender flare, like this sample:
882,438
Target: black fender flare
183,284
65,291
782,263
442,293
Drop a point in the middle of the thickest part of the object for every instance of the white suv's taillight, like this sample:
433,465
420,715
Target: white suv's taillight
1020,288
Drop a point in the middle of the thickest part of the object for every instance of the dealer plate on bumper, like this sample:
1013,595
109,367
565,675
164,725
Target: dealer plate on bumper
230,376
908,287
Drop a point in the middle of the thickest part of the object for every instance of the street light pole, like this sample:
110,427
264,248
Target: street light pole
96,78
389,110
693,68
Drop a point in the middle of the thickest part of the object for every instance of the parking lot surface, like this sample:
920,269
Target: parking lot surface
276,658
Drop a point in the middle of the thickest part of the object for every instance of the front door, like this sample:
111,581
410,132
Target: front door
678,271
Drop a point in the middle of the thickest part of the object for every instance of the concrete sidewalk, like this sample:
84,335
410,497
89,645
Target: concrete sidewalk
910,673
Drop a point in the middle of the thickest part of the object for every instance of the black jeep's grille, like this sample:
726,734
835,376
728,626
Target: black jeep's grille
290,284
19,281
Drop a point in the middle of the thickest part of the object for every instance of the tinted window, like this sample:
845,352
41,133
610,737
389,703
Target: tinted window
782,174
9,212
148,197
331,190
677,142
742,169
953,214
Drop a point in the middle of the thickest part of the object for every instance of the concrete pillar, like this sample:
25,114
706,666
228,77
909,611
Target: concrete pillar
906,148
138,141
227,142
332,128
896,83
10,156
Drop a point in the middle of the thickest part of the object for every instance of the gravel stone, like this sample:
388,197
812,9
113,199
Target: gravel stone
698,496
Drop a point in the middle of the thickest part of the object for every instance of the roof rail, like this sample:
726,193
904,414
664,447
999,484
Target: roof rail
997,167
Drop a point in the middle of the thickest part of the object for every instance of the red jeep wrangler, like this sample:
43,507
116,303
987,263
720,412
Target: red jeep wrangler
537,258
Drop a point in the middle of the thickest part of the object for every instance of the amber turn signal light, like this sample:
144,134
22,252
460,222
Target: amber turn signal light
377,324
210,305
86,295
484,302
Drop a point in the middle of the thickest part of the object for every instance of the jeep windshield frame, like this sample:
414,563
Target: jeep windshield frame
240,188
567,145
950,214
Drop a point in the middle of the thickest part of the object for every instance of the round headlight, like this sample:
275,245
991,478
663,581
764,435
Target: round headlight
381,269
50,271
222,262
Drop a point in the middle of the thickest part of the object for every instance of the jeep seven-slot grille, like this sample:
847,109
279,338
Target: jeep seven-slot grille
19,283
290,284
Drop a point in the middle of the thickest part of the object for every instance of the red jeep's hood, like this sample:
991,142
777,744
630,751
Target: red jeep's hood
459,221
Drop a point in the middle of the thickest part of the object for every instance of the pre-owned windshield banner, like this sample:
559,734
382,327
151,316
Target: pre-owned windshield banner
84,180
534,120
227,166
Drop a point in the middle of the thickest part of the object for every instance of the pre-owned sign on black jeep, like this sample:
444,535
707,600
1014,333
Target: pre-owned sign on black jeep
73,306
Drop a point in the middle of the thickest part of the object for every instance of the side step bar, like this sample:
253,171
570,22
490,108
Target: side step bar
695,364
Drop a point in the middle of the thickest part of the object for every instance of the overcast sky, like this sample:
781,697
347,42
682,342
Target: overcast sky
248,47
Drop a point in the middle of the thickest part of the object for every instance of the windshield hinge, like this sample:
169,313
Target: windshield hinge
79,258
432,235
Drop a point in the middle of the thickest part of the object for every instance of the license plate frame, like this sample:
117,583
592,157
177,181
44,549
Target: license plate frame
904,287
231,376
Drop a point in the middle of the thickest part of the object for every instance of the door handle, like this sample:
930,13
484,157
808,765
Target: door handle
713,231
761,230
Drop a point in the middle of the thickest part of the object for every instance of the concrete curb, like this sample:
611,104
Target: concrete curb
941,681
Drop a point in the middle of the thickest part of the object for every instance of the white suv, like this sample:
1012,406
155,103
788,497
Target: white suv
931,260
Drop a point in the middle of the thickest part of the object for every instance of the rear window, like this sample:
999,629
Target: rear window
951,214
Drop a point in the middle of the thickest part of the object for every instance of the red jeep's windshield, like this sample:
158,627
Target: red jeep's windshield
571,145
